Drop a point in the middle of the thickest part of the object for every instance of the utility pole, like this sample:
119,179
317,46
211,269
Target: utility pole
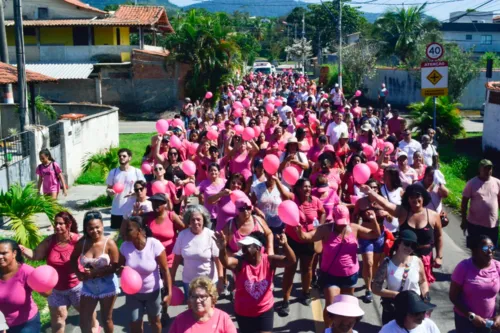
295,26
303,43
21,66
8,97
320,55
339,52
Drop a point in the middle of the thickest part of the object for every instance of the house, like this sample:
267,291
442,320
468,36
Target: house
478,31
98,56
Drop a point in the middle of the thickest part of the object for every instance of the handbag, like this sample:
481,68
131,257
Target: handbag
388,242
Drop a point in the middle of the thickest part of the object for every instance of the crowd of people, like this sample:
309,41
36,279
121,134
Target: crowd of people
232,242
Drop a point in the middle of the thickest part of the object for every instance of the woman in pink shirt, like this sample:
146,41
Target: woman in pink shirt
209,187
474,287
226,209
16,300
254,274
57,250
240,154
202,316
50,177
339,262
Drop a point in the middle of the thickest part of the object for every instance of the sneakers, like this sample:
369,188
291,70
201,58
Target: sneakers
368,297
284,310
306,299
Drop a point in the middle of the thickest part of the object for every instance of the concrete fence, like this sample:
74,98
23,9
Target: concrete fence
69,142
404,88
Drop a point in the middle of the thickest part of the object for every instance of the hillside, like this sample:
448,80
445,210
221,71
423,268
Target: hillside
259,8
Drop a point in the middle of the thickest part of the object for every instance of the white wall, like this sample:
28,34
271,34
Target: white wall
58,9
89,135
491,124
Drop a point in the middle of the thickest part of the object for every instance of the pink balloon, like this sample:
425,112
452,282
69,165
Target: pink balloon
325,95
358,93
368,151
257,130
158,187
278,102
237,105
146,168
236,194
373,166
194,146
299,118
246,103
390,146
240,88
271,164
212,135
43,279
118,188
380,144
237,112
248,134
312,116
162,126
175,142
208,95
188,167
291,175
354,198
361,173
189,189
288,212
177,122
177,296
269,108
229,94
238,129
130,281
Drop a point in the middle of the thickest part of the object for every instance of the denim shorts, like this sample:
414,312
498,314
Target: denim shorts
140,304
65,297
372,245
31,326
326,280
101,287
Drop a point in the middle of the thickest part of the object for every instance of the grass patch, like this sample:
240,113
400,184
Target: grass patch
136,142
99,202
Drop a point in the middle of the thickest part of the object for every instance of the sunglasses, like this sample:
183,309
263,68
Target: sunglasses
92,216
172,154
136,190
487,248
243,209
160,169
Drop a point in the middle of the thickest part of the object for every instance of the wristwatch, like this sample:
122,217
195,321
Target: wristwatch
472,316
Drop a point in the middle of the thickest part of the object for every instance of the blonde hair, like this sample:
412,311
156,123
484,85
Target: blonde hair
204,282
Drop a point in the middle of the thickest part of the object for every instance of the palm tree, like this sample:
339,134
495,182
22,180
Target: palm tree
400,30
106,160
19,205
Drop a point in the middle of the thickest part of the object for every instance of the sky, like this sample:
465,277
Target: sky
441,11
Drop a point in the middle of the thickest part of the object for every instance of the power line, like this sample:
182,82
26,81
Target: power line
453,19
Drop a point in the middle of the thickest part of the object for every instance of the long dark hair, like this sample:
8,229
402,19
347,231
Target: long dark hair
89,216
142,226
47,153
69,220
237,176
15,247
393,173
350,165
297,189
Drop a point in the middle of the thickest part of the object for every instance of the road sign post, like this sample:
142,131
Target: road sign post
434,75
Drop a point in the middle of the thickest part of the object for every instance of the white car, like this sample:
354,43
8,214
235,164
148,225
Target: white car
264,68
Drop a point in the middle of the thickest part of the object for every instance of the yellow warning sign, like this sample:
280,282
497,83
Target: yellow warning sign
434,77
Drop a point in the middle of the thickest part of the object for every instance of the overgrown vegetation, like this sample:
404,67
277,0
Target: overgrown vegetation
99,202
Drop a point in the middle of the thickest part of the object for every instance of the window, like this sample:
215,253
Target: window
81,36
43,13
468,37
486,39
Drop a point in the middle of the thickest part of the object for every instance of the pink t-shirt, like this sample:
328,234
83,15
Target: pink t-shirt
164,232
226,211
340,258
16,301
219,323
483,208
329,202
254,288
241,163
144,263
207,188
308,212
479,287
50,181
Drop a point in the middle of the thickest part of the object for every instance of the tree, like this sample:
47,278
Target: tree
19,205
301,49
359,60
462,68
401,30
249,47
105,160
490,55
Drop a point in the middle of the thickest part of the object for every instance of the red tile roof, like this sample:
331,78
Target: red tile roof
496,18
140,16
82,5
8,74
164,53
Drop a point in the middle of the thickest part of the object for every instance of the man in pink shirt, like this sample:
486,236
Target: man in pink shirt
395,124
483,192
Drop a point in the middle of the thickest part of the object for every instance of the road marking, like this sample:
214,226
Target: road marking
317,311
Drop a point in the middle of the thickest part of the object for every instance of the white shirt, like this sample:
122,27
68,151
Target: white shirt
428,153
410,148
395,276
283,110
427,326
121,205
394,197
334,130
336,97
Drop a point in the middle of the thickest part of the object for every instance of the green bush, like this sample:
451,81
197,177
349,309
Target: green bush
100,201
448,119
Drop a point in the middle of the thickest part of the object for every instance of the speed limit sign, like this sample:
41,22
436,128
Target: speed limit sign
434,51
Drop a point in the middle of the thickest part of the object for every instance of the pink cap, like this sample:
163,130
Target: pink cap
341,214
243,202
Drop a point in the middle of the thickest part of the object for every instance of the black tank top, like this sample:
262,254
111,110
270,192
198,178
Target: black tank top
425,236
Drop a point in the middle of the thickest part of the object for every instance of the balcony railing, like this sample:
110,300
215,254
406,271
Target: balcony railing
73,54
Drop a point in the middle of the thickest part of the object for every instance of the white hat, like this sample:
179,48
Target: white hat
249,240
401,153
